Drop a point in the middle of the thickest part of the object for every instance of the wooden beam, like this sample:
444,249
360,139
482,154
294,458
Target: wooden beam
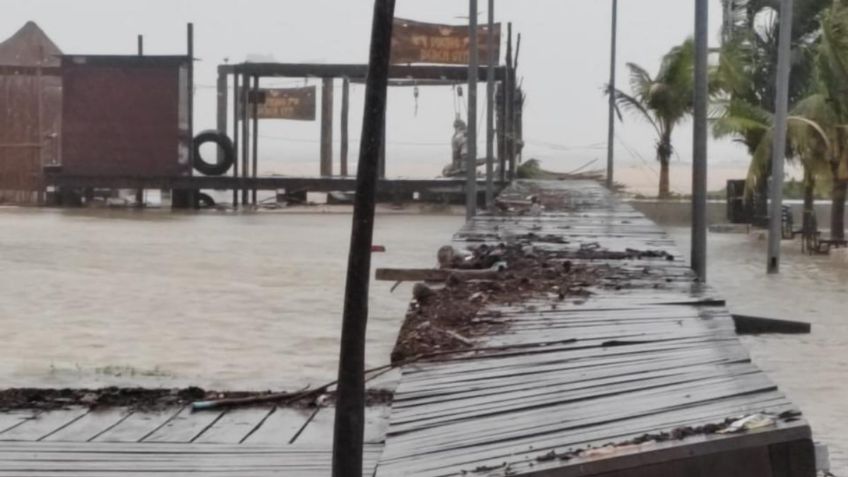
327,128
431,274
752,325
357,72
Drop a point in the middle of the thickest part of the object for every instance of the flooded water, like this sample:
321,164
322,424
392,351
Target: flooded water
252,301
811,369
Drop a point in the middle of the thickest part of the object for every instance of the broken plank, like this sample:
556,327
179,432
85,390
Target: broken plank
431,274
753,325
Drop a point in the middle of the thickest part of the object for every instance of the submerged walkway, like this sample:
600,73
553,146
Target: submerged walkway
633,380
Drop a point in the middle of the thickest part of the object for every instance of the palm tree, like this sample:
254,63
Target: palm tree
810,132
832,68
663,101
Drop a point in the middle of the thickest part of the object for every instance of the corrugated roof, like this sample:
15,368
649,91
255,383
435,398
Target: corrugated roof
29,46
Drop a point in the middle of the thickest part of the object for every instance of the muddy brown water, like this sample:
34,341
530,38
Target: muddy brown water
810,369
247,302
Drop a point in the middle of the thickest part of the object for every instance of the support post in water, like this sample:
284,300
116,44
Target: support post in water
348,434
327,127
490,111
255,140
699,156
611,125
343,132
473,78
778,149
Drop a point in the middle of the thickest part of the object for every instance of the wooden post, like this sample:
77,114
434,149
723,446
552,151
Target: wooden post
509,101
190,87
344,126
501,126
327,128
473,79
490,111
348,434
236,97
381,170
255,166
245,133
139,193
221,109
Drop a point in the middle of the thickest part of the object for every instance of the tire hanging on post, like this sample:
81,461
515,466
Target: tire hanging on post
223,142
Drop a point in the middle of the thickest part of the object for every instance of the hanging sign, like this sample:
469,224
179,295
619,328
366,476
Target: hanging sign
285,103
417,42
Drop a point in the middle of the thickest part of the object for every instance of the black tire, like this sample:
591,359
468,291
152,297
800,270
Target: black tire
203,201
223,142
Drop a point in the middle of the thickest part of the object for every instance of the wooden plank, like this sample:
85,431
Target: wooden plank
43,425
14,418
235,426
320,428
90,425
184,427
430,274
280,427
752,325
137,426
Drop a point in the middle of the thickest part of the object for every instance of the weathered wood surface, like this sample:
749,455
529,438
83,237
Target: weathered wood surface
647,354
252,441
24,459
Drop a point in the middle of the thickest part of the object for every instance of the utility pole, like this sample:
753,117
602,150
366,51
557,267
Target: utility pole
348,433
611,127
473,78
490,111
778,148
699,156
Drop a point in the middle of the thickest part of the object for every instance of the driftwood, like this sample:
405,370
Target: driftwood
431,274
752,325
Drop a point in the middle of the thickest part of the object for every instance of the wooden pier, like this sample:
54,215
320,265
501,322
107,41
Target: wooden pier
633,380
643,377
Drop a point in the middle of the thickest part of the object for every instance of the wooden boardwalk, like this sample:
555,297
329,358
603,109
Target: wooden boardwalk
656,355
261,441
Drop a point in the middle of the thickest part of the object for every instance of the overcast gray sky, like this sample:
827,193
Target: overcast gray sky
564,65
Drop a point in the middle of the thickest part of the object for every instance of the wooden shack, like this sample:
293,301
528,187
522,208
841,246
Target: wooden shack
30,113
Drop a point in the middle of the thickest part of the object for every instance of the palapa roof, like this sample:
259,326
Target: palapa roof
29,46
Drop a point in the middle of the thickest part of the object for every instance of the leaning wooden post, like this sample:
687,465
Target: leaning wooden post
350,408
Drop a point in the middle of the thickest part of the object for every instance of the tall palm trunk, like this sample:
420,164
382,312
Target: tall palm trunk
664,156
809,201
